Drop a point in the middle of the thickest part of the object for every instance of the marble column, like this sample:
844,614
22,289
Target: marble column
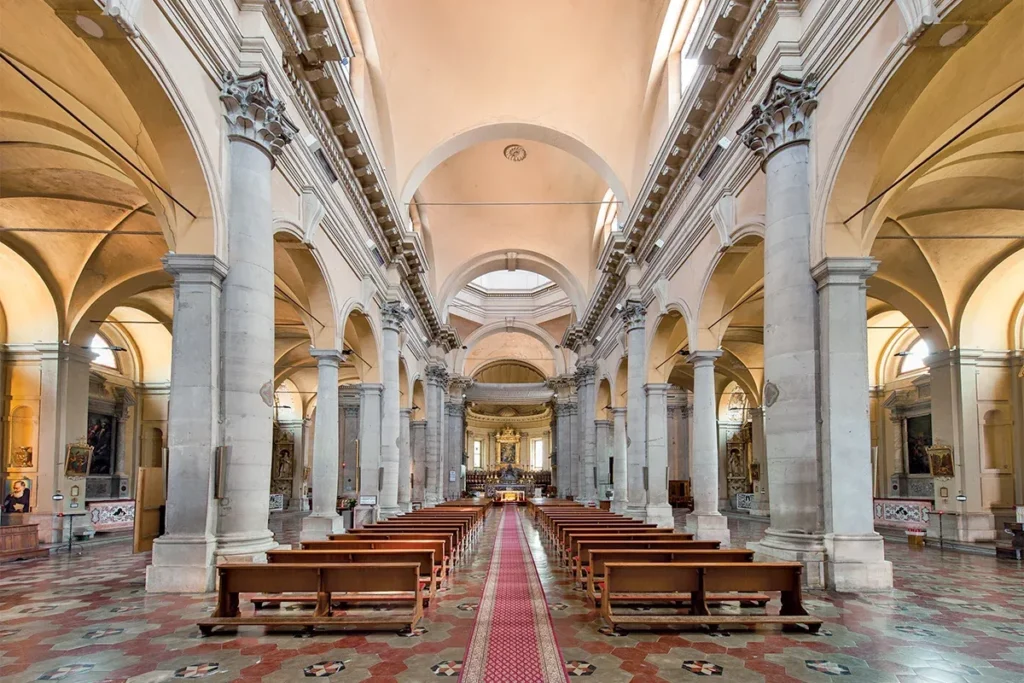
350,397
706,523
856,557
586,392
634,317
418,444
562,447
183,558
369,454
620,470
1017,406
779,132
762,495
897,485
302,432
392,316
658,510
324,519
602,430
405,472
575,447
437,380
257,130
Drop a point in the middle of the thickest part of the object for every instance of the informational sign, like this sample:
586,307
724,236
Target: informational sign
451,475
367,500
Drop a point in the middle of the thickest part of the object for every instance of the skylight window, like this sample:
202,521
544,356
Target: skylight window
511,280
104,356
914,358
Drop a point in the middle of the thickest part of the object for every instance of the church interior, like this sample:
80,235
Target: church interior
389,340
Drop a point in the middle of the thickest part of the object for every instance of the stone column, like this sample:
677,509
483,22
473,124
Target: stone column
602,430
897,483
418,442
634,317
183,558
856,558
706,523
760,506
301,432
1017,405
456,441
405,460
324,520
392,316
778,132
658,510
122,469
369,453
437,380
257,130
587,395
955,422
676,404
350,398
620,466
562,422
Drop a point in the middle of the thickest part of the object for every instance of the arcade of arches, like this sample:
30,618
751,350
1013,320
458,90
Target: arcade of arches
273,270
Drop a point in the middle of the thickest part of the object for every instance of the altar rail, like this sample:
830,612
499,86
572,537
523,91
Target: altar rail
111,515
902,512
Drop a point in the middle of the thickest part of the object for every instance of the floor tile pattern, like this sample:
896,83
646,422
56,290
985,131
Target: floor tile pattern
952,618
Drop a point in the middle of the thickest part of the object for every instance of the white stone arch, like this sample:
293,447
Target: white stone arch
499,326
333,333
521,131
498,260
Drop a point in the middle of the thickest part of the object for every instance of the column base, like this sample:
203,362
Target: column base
636,512
298,504
388,512
661,515
856,563
363,515
182,564
790,546
405,507
760,507
318,528
709,527
430,501
247,543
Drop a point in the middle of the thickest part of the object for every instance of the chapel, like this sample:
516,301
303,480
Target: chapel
512,341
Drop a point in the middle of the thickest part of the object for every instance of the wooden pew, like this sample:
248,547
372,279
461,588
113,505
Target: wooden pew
437,528
585,544
600,558
448,537
570,532
560,527
462,526
396,584
436,545
672,582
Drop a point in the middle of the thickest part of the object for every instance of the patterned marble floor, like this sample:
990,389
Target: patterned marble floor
951,618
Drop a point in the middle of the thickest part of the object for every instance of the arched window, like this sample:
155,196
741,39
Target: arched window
913,358
104,352
688,66
607,217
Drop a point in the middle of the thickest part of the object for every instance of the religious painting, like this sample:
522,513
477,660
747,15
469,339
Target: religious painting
22,459
919,438
508,453
101,437
18,494
941,459
76,463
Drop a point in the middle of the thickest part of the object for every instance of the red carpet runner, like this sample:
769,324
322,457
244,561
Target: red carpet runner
513,641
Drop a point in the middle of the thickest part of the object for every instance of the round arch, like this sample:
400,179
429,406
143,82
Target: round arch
498,260
361,339
316,281
499,326
604,399
521,131
620,389
498,362
670,335
419,400
732,275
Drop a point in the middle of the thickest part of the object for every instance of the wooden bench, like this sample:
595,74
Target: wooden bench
336,555
585,544
571,533
674,582
437,546
455,532
599,559
396,584
460,527
562,529
447,537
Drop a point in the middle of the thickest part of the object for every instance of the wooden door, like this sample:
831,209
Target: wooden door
149,498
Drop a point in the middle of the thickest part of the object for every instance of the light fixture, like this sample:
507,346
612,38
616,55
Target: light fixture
618,307
953,35
88,26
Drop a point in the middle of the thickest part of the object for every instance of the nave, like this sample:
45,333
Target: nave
951,617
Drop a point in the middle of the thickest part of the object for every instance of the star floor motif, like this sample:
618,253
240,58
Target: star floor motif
323,669
579,668
62,672
449,668
702,667
197,670
826,667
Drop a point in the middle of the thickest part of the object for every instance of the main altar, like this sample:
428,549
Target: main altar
508,484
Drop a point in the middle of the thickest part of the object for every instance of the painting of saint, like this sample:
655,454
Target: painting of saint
76,464
101,438
17,495
919,438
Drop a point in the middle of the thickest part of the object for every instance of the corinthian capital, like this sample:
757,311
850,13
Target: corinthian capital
584,374
253,115
782,117
437,375
633,315
393,314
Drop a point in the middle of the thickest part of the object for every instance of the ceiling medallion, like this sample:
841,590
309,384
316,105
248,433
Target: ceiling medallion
515,153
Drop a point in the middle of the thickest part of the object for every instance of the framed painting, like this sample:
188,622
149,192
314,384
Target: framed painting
941,461
22,459
18,494
78,459
919,438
